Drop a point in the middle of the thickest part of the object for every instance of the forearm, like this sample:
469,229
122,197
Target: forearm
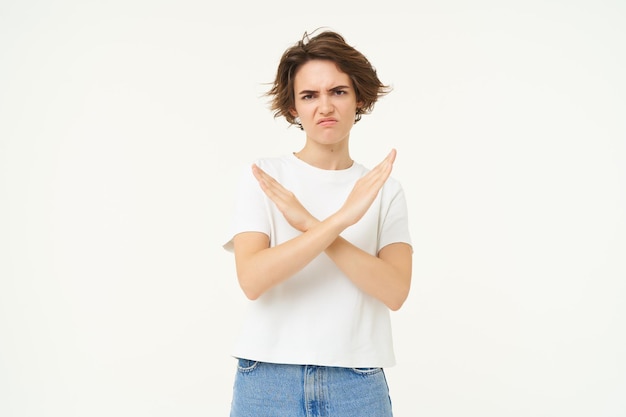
260,267
263,269
388,282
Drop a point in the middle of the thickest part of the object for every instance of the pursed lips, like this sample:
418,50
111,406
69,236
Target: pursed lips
327,121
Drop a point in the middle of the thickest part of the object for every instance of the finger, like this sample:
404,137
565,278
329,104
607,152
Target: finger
389,159
259,174
272,188
383,169
385,164
265,178
375,179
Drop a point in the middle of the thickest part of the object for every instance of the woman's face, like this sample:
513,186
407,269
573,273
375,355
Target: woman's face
325,102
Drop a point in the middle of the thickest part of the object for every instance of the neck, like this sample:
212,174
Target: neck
326,157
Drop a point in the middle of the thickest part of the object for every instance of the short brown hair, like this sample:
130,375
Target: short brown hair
331,46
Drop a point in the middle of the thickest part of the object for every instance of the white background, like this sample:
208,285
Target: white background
123,125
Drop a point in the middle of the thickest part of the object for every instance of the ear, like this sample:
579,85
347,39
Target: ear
359,105
293,112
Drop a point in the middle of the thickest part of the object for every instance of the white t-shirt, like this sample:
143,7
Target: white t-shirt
318,316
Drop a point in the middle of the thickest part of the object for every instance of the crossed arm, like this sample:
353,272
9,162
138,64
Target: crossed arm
260,267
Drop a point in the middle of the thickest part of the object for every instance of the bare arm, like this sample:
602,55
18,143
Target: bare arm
386,276
260,267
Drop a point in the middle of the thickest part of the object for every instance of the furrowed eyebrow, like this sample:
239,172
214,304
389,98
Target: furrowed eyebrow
339,87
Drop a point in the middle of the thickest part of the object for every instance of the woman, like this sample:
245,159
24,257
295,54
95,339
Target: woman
322,246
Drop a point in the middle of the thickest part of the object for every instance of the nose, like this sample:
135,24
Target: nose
326,105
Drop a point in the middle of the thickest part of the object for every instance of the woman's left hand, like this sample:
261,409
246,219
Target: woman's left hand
293,211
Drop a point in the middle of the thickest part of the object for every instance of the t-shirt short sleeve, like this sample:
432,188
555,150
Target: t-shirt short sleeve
394,225
250,210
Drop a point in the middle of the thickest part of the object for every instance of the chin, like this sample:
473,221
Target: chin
332,139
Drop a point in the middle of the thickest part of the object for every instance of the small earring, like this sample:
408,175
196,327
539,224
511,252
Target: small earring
298,122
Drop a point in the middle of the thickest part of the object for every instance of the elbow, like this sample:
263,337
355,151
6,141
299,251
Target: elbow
249,290
395,303
250,295
394,307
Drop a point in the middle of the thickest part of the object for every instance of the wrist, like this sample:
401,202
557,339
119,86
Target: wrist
310,223
336,222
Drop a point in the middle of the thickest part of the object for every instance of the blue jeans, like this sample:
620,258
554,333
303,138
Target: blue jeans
274,390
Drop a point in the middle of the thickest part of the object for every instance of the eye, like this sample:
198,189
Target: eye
307,97
340,92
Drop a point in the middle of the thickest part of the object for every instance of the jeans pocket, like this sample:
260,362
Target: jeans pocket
366,371
246,365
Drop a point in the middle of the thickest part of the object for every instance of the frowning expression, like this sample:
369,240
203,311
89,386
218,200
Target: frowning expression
325,102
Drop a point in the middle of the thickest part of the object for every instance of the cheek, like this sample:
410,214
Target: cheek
302,110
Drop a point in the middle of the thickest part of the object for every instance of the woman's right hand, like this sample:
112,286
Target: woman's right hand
291,208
